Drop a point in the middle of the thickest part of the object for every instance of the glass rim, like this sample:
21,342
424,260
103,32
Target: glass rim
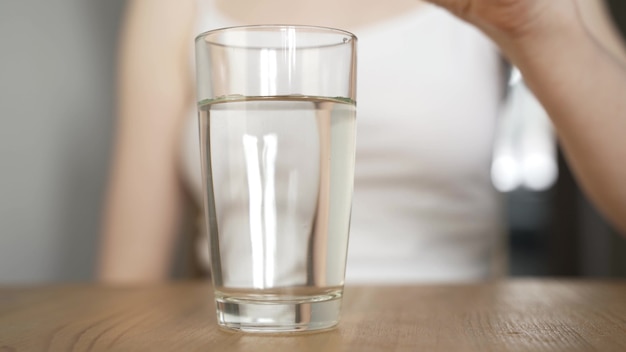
259,27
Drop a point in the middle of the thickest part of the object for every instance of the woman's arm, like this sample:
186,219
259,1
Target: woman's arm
598,21
154,94
573,62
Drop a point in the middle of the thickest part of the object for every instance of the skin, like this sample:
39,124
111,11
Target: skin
555,43
142,210
572,60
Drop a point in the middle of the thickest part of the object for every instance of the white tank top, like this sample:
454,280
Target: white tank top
429,92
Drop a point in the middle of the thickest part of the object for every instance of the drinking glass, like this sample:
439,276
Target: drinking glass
277,114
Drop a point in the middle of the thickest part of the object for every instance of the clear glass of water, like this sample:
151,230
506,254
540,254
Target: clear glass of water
277,114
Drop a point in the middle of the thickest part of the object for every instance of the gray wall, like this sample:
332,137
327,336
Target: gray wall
56,112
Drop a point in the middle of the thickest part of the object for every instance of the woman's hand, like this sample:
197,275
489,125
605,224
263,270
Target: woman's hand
575,64
511,23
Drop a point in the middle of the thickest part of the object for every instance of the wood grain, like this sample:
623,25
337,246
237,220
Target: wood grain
521,315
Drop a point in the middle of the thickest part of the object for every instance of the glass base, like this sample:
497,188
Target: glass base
316,313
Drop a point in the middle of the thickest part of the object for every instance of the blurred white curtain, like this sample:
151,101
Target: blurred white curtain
525,144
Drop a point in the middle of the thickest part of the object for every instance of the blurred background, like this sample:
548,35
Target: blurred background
57,107
57,72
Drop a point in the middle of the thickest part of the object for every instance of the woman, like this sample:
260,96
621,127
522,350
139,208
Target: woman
430,88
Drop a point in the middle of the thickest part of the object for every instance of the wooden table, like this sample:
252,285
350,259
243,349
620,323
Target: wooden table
517,315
